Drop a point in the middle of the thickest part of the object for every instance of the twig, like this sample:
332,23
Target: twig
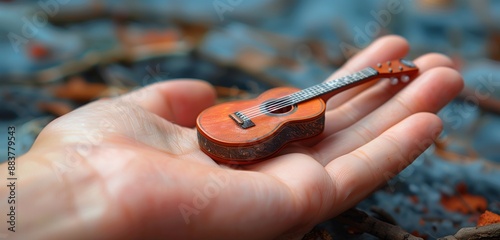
383,215
480,233
317,234
365,223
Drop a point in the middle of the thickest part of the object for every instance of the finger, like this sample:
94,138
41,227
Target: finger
357,174
428,93
383,49
367,101
310,185
178,101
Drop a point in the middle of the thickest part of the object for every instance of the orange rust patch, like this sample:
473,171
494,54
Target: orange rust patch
464,202
488,218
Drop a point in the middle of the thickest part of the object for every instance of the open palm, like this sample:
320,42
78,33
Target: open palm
130,167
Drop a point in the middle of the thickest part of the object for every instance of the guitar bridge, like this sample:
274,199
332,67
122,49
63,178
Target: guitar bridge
242,120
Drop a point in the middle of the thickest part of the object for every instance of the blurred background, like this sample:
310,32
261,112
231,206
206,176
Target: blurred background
56,55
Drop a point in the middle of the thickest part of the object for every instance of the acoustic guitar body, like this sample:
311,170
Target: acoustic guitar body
222,138
246,132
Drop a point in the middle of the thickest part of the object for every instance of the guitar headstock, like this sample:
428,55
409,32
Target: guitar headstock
397,70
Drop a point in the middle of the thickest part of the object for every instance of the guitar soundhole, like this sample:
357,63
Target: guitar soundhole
282,110
275,107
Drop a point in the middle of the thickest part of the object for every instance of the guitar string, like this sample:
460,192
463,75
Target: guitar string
271,108
256,110
279,103
283,102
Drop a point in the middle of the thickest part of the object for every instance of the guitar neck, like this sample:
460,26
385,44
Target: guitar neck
337,84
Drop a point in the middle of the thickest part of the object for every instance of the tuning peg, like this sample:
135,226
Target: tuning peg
405,78
394,81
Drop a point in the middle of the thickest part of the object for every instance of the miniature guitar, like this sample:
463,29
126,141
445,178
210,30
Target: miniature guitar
249,131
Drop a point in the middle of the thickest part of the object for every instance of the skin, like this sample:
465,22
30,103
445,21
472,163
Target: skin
128,167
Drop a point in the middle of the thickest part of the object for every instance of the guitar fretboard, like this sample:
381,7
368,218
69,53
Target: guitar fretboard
323,88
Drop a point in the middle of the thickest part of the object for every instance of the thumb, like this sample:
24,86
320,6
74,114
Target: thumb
178,101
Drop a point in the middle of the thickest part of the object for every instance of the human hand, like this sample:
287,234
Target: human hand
131,168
